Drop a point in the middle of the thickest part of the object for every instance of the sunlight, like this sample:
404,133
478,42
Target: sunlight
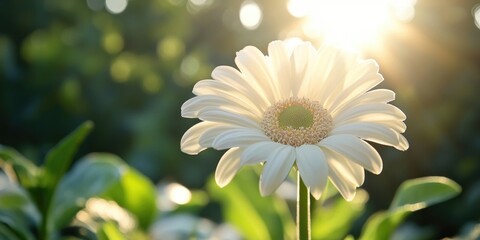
348,23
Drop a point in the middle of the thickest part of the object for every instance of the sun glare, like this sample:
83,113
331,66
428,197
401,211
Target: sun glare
351,24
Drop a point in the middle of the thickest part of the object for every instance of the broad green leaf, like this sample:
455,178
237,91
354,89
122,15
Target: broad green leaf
110,231
91,176
26,171
419,193
7,233
60,157
18,215
381,225
135,193
411,196
256,217
334,220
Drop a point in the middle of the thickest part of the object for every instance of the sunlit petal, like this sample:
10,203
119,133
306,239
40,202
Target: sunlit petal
369,112
190,142
281,66
373,132
228,166
252,64
278,165
249,89
221,116
313,168
222,89
240,137
355,149
259,152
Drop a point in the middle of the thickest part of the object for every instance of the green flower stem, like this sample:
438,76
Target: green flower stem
303,210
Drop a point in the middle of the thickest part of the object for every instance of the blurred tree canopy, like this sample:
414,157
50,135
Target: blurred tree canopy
64,62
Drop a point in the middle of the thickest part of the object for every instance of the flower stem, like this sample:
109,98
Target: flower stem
303,210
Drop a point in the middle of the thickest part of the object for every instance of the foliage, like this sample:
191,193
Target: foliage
45,201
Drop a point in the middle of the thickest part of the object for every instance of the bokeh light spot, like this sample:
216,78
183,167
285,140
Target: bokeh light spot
170,48
298,8
198,2
112,42
152,83
116,6
120,69
476,15
250,15
190,66
178,193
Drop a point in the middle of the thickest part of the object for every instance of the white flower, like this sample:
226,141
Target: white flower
313,108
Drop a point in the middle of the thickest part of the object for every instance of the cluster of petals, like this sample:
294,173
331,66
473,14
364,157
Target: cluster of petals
231,107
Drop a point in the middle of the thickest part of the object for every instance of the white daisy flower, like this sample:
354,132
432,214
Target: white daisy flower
305,107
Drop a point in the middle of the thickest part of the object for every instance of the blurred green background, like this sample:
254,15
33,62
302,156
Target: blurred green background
128,67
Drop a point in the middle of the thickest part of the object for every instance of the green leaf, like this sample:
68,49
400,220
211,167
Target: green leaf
7,233
25,170
334,220
419,193
18,215
91,176
412,195
60,157
256,217
381,225
135,193
110,231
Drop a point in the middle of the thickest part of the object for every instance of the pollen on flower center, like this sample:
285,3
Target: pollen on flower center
295,116
296,121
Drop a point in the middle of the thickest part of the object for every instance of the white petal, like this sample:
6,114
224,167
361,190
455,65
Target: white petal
398,126
259,152
252,64
276,169
335,77
196,105
356,150
240,137
222,116
207,138
347,190
373,132
224,90
374,96
318,72
369,112
228,166
190,142
360,72
364,77
351,172
234,78
313,168
302,57
281,66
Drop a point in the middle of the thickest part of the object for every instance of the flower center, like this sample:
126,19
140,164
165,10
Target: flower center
296,121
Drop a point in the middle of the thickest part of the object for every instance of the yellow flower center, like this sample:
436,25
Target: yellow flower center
296,121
